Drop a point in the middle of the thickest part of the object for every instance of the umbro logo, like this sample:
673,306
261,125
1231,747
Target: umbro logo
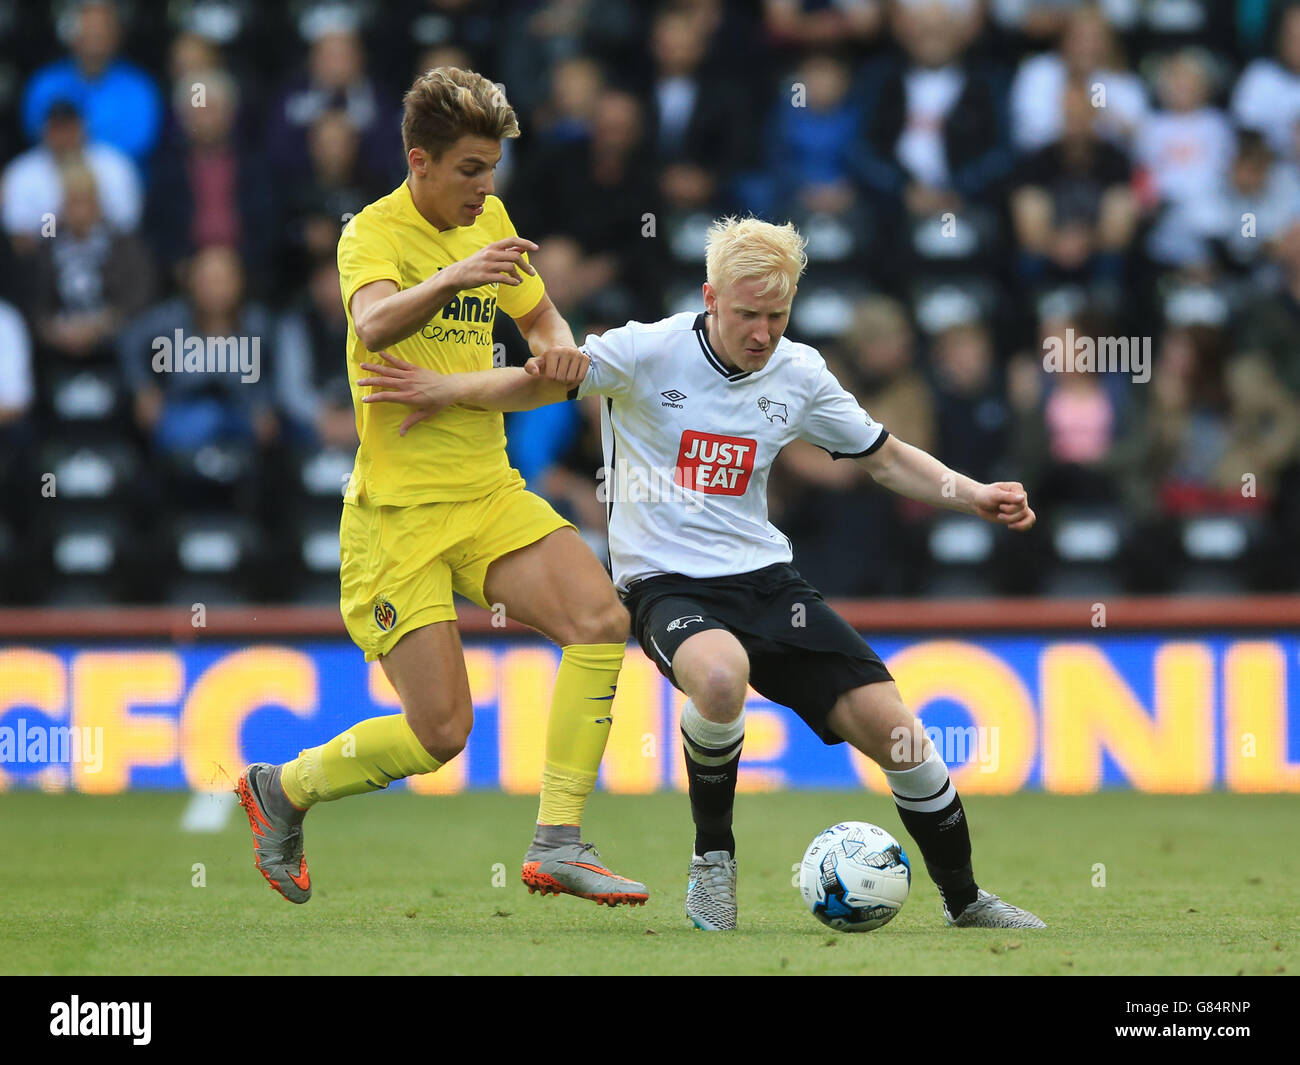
673,398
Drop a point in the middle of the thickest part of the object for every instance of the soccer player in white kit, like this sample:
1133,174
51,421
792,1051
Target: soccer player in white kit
695,409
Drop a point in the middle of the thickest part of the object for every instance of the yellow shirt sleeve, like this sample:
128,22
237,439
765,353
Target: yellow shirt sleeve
367,252
515,300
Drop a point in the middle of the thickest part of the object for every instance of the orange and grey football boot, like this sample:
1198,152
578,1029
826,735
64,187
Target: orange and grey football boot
277,839
576,869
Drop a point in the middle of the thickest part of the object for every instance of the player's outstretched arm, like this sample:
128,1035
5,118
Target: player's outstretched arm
914,473
382,314
546,378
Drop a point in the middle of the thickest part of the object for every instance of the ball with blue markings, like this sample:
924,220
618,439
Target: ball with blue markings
855,877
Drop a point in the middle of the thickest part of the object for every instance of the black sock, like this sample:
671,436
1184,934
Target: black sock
711,773
943,837
713,798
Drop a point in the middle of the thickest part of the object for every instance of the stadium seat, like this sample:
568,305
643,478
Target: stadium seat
225,556
84,393
89,466
824,310
324,474
942,304
960,549
1220,550
95,554
686,234
968,242
318,545
1086,545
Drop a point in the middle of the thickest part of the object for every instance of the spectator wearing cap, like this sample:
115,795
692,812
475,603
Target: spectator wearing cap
121,103
32,187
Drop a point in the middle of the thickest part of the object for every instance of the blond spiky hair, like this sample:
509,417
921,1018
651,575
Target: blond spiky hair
446,103
743,249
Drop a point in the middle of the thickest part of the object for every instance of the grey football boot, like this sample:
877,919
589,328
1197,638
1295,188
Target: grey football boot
711,892
989,911
277,840
577,869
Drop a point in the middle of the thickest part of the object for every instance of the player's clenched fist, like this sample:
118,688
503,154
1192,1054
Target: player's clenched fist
498,263
1006,503
566,365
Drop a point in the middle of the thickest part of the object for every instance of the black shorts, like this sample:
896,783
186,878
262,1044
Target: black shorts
801,653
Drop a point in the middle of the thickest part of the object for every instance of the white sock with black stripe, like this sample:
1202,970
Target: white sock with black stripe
932,813
712,751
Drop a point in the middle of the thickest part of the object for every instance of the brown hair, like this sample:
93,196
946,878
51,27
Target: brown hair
447,103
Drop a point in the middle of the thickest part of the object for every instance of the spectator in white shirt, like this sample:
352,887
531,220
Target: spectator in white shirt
1186,147
1251,207
1088,54
1267,97
31,191
15,365
17,435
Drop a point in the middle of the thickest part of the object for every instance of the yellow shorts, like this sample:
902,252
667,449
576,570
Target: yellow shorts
400,565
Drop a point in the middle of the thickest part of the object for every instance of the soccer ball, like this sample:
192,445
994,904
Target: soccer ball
855,877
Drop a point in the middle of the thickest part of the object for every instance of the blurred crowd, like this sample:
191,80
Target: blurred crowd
978,179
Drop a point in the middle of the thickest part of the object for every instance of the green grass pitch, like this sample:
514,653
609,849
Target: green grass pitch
405,885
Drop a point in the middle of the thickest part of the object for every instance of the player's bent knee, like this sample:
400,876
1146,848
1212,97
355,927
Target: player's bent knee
443,737
447,744
719,691
607,624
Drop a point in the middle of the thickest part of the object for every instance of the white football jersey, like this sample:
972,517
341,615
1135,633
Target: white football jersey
688,445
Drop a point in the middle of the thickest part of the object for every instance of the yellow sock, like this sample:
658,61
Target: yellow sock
582,708
365,758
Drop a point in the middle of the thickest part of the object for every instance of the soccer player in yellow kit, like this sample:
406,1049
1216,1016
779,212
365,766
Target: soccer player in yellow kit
436,507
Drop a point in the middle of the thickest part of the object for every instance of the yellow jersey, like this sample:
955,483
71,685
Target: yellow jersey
459,454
